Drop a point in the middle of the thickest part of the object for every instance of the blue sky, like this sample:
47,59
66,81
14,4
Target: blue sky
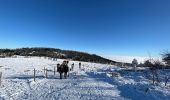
106,27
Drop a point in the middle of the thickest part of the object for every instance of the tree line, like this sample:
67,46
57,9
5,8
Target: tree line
55,53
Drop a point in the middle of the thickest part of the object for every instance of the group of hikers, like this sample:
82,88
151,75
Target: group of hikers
64,68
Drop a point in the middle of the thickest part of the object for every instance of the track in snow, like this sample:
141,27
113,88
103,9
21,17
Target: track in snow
84,87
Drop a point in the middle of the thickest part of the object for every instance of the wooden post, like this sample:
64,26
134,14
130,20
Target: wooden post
0,78
112,74
34,74
46,73
44,70
54,70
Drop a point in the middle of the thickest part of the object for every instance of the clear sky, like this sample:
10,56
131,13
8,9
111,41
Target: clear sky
108,27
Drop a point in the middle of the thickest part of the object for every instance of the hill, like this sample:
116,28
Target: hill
55,53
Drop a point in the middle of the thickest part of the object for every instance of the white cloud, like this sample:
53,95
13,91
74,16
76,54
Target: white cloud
128,59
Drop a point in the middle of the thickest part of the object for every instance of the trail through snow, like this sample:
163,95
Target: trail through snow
82,84
91,82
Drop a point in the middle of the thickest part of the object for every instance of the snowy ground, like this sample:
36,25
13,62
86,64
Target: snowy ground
92,82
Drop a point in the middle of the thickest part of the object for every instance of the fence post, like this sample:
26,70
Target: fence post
54,70
112,74
44,70
46,73
0,78
34,74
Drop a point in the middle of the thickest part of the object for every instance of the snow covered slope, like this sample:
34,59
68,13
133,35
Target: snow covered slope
91,82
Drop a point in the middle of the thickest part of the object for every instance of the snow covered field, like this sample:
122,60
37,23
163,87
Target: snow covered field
91,82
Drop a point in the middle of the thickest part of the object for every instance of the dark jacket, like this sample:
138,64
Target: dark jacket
63,68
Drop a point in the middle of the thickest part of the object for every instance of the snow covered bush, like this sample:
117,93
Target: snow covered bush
154,70
134,63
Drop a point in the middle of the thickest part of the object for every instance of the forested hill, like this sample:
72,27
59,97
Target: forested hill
55,53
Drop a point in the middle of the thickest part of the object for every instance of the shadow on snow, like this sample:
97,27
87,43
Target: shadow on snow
26,77
128,91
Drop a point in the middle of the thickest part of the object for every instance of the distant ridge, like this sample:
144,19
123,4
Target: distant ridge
55,53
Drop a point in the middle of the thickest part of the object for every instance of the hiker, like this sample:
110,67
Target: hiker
66,69
60,70
80,65
58,65
63,69
67,62
72,67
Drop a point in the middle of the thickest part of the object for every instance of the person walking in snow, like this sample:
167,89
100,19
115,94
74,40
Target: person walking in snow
72,67
63,69
80,65
60,70
58,65
66,69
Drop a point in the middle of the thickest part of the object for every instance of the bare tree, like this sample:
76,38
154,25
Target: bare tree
154,69
166,59
167,78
